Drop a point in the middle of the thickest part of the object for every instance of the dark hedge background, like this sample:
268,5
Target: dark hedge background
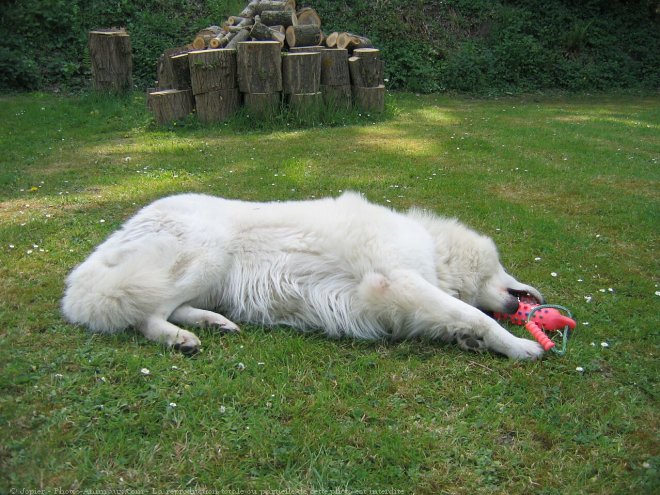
477,46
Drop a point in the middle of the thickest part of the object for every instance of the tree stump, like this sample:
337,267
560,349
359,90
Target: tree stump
337,96
112,61
306,49
301,73
334,67
306,103
171,104
369,99
366,68
304,35
180,67
262,105
217,105
212,70
164,69
259,65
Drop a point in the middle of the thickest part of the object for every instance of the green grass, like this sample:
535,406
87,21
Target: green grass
570,180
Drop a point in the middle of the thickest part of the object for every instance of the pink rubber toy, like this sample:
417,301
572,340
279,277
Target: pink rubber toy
543,319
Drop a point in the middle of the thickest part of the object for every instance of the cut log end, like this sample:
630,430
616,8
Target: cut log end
352,41
304,35
308,16
331,40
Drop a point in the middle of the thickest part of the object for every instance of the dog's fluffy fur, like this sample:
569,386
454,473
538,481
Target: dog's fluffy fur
340,265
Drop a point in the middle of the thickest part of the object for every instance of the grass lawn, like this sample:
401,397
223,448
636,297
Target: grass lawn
567,186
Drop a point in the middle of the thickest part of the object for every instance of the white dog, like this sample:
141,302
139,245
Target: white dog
340,265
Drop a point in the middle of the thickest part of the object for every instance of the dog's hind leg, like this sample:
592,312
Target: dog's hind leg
201,318
160,330
412,306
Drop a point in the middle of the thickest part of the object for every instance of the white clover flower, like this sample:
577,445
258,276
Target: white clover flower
145,371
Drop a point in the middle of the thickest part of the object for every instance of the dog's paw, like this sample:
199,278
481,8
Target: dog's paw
525,349
187,343
219,322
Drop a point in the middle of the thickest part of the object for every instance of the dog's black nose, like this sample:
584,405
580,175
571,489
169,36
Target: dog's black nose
511,305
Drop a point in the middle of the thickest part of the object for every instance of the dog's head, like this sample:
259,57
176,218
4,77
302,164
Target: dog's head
496,290
501,293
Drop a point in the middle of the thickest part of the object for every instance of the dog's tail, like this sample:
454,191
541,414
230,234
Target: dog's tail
109,295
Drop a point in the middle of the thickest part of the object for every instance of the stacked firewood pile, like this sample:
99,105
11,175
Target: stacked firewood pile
268,54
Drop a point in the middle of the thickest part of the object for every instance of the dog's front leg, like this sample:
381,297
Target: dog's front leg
412,306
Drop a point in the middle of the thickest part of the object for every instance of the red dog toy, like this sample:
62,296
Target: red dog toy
539,318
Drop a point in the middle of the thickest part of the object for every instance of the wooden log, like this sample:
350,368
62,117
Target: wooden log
237,29
218,105
303,35
262,105
237,38
171,104
367,53
203,38
337,96
301,72
307,103
366,68
284,18
369,99
264,5
261,32
351,41
212,70
180,71
334,67
240,21
210,31
219,41
164,70
111,58
308,15
249,10
331,40
259,66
